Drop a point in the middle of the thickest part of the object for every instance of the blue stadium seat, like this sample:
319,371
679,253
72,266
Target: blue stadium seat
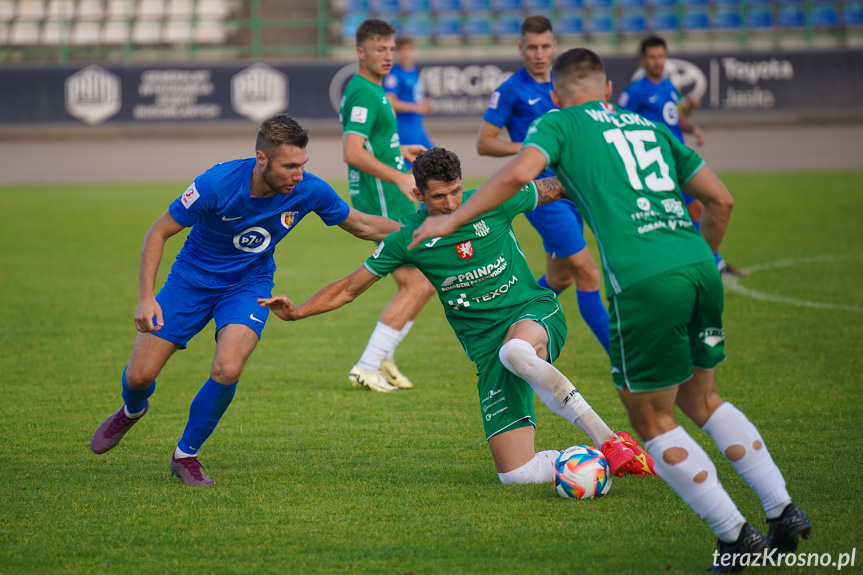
728,19
633,22
447,26
565,4
664,21
478,25
852,14
353,6
349,25
418,28
446,5
791,2
825,17
599,3
696,2
696,20
385,6
537,5
508,24
600,23
792,17
759,18
570,25
505,5
476,5
760,2
727,2
416,7
663,2
631,3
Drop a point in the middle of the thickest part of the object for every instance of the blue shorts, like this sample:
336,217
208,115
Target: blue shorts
187,309
560,226
687,198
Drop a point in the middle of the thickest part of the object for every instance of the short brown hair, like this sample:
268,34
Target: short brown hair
575,67
536,24
436,164
372,28
278,130
402,41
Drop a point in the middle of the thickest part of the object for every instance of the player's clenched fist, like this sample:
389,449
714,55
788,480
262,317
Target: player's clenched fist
280,305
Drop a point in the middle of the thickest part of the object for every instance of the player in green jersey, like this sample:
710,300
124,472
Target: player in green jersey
380,185
509,326
625,174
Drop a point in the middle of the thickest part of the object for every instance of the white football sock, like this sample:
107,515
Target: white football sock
383,341
180,454
553,389
540,469
694,480
737,437
402,333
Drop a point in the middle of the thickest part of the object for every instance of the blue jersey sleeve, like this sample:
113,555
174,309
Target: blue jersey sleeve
630,99
500,106
193,203
328,205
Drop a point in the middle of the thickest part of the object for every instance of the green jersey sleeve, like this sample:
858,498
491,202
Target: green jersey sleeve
546,135
359,113
390,255
524,200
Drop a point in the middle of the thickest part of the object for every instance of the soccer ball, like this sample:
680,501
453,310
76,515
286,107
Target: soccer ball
582,472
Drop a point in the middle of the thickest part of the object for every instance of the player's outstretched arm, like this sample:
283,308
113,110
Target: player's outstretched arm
516,174
148,315
692,128
354,153
331,296
489,143
717,200
368,227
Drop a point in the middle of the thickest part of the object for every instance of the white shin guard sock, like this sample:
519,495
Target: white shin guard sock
741,444
553,389
402,333
383,341
540,469
694,480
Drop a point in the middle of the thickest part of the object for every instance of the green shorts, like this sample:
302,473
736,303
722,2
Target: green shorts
506,401
666,325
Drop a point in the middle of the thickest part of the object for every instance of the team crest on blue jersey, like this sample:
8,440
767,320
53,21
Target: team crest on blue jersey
288,219
607,108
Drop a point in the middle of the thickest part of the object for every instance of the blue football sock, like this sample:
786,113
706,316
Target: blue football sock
206,410
595,315
542,282
136,399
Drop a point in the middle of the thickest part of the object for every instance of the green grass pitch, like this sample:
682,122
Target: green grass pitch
316,477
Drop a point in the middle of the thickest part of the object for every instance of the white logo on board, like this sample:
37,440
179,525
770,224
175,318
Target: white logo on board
93,94
259,92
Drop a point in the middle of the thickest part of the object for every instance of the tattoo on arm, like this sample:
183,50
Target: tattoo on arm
549,190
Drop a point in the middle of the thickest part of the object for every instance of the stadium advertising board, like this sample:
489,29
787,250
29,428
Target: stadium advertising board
110,94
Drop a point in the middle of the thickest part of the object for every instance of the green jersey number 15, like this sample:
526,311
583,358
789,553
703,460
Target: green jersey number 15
644,157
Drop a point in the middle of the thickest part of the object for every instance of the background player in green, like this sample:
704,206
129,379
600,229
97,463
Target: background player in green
380,185
509,326
625,174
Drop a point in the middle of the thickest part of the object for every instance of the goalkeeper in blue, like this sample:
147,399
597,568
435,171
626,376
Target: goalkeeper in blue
238,211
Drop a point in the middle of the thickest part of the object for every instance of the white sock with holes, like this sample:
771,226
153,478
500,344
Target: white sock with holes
694,480
540,469
383,341
553,389
731,431
402,333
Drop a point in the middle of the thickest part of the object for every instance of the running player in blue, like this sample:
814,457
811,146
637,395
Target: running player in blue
521,99
657,99
405,92
238,212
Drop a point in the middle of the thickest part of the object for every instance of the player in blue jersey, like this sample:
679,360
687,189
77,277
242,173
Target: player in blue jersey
522,98
238,212
405,92
657,99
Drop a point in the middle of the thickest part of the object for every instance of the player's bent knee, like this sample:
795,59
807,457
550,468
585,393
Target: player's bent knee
226,373
139,378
